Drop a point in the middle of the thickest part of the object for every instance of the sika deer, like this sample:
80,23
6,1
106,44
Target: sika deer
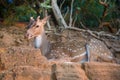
36,31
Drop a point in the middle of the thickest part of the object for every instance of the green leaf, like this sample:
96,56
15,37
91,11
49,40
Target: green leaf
45,6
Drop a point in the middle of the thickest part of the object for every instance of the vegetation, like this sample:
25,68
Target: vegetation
83,13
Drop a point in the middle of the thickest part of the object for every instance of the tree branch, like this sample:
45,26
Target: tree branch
71,11
66,12
62,4
118,32
58,14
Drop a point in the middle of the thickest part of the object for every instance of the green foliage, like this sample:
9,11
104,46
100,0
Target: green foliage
24,12
89,12
46,4
21,13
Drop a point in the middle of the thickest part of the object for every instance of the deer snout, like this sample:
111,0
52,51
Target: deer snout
28,36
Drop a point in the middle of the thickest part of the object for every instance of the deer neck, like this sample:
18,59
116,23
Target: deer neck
38,40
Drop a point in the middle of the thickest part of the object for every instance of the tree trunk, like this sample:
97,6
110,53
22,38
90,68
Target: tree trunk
58,14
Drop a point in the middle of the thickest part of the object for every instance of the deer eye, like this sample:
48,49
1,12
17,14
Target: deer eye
37,26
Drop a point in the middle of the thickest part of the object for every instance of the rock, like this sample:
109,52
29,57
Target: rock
102,71
21,56
25,73
28,64
68,71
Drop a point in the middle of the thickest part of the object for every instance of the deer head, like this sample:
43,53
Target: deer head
36,27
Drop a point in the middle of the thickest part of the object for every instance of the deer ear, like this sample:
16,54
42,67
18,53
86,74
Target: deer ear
31,19
30,22
38,18
44,20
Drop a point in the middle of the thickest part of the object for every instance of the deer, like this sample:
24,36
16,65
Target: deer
35,29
